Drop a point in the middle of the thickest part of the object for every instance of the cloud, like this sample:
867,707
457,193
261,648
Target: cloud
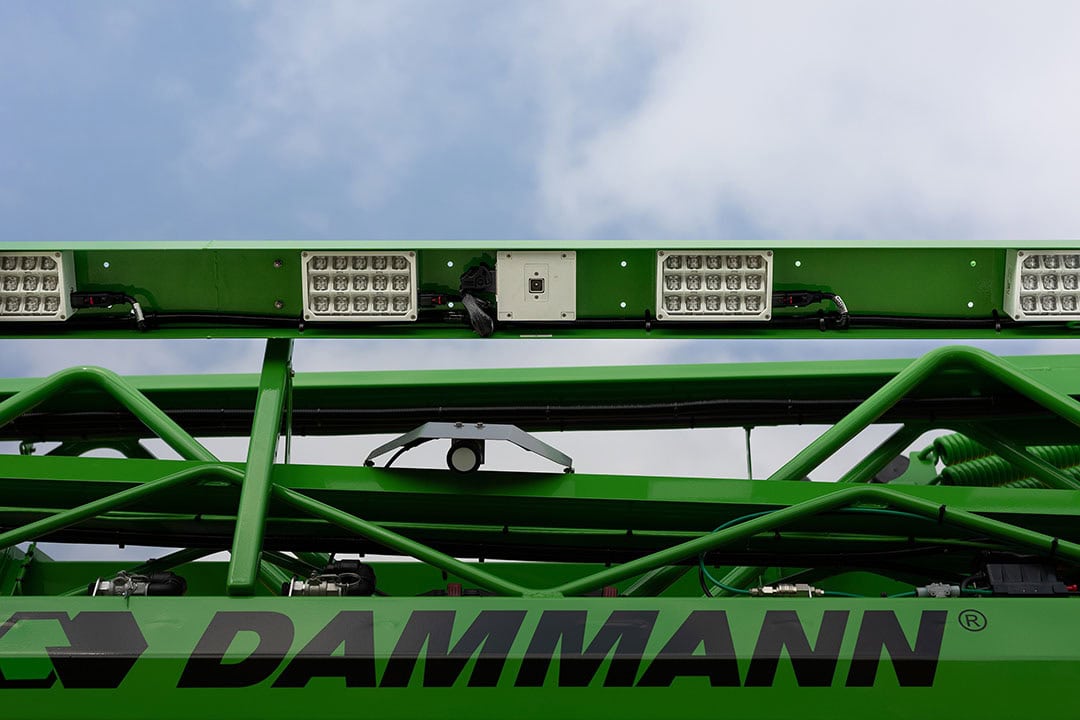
351,94
829,119
681,119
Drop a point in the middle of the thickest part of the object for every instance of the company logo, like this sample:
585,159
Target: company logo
104,646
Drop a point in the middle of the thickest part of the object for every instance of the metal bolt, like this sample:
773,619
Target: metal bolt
479,425
457,425
279,304
278,263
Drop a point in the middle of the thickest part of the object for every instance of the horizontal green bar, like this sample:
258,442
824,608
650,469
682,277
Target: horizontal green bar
256,289
570,398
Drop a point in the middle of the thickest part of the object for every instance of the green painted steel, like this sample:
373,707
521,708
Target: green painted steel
567,398
606,605
255,290
108,382
262,450
934,362
966,655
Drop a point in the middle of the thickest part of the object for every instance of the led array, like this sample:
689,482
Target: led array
712,285
35,286
1041,284
359,286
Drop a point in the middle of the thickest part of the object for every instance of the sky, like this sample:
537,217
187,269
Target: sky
503,119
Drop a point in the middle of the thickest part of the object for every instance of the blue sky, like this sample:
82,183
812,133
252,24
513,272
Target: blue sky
413,118
150,120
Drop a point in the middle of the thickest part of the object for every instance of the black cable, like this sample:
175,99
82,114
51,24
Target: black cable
818,320
970,579
479,320
81,300
701,579
247,319
396,455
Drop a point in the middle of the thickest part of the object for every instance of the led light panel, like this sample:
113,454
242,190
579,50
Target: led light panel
359,286
1043,284
714,285
35,286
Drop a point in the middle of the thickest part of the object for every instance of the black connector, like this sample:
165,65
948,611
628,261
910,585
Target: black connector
107,300
1024,578
99,299
478,279
802,298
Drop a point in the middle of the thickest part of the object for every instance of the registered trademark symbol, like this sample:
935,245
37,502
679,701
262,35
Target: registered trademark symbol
972,620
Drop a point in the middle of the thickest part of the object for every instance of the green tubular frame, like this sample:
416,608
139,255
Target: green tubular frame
260,288
255,495
642,539
257,487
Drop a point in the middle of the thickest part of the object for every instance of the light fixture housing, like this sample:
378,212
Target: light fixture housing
1042,285
359,286
714,285
36,286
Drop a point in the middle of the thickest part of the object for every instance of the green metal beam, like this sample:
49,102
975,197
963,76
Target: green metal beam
520,500
70,517
262,450
563,398
836,499
114,386
875,461
255,289
399,543
934,362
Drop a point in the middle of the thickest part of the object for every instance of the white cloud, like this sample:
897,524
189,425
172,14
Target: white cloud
338,87
819,119
678,119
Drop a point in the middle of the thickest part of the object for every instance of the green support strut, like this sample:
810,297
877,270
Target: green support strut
262,449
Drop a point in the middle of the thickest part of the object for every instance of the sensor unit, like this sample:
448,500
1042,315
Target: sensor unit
35,286
359,286
1042,285
714,285
536,285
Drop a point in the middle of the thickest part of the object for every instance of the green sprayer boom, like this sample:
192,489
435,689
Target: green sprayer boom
926,583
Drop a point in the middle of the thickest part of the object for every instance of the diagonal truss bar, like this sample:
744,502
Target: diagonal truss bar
907,380
832,501
262,449
399,543
873,494
882,455
123,392
97,507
